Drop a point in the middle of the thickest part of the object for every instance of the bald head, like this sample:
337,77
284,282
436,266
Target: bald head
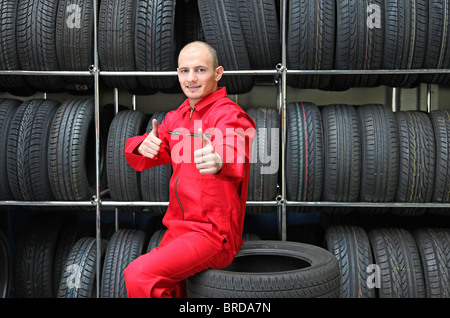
199,46
198,71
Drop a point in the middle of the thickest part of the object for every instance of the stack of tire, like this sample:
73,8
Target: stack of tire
36,37
391,262
245,35
343,153
265,156
44,242
49,150
49,153
126,184
58,35
322,35
56,256
356,35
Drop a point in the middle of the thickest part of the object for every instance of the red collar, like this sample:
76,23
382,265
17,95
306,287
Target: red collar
207,100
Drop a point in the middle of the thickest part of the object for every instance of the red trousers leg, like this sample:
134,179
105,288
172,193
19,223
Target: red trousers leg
162,271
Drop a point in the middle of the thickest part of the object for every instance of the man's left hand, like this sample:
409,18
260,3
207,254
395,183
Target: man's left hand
207,160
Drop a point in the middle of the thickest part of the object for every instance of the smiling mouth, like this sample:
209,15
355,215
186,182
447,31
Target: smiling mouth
192,88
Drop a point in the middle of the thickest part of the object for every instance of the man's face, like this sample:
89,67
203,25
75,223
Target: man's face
196,73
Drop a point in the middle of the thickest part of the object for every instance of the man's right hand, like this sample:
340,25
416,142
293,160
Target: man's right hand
151,145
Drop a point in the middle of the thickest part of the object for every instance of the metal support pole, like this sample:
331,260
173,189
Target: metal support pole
116,101
283,118
97,152
395,99
133,102
279,83
116,110
429,98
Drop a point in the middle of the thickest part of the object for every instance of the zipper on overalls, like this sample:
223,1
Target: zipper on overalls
176,181
178,198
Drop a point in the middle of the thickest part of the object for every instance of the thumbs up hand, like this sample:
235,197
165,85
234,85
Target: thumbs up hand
207,160
151,145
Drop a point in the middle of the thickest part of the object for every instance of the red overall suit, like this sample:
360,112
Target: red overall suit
205,215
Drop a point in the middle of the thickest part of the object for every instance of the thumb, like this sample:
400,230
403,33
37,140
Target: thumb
155,127
205,139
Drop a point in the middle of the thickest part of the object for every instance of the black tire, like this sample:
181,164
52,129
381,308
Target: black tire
124,182
78,279
271,269
155,181
124,246
9,56
155,239
342,150
34,256
350,245
380,154
191,25
222,29
8,108
27,150
416,162
311,41
358,46
440,120
36,42
75,38
5,266
405,40
71,152
437,54
264,175
70,234
304,153
156,43
396,254
116,25
260,28
434,248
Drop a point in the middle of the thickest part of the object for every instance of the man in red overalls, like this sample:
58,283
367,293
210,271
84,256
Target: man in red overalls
207,140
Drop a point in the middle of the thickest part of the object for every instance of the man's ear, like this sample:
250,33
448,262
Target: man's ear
219,73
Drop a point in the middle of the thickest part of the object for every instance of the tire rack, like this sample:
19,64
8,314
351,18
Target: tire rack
280,72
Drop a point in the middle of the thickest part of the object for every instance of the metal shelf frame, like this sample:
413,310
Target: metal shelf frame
280,72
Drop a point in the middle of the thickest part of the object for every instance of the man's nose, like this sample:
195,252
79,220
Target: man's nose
191,76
